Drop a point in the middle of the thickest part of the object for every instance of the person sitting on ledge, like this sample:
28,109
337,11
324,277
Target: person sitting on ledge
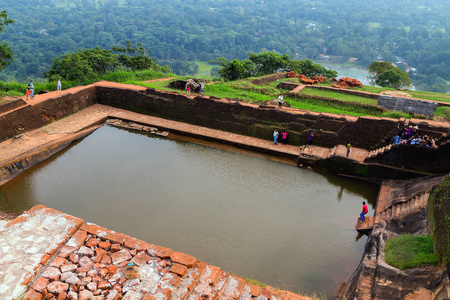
365,210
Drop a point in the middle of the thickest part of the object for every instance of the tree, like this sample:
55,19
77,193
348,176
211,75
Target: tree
83,65
6,54
308,68
135,57
268,62
384,74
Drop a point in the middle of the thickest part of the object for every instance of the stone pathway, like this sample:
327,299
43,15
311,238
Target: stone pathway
97,263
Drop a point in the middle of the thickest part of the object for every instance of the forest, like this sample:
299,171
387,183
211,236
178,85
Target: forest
411,33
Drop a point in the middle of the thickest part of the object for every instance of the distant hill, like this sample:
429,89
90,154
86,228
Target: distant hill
411,33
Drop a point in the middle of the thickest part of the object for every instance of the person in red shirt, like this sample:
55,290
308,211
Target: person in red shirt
365,210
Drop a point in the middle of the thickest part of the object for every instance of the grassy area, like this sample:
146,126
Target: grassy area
410,251
204,69
339,96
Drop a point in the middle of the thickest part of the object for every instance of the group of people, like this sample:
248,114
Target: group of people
187,87
30,89
410,136
284,135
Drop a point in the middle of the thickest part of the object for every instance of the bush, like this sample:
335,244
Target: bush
439,220
410,251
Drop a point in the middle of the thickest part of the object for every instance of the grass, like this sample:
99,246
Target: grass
204,69
339,96
410,251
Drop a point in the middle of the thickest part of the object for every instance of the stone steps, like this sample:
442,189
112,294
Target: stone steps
376,152
403,209
367,280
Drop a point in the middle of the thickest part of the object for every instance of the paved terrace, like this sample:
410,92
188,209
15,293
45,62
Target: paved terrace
51,255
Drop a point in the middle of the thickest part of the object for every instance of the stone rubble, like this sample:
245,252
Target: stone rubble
39,262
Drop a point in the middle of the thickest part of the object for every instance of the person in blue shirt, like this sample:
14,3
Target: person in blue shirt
32,89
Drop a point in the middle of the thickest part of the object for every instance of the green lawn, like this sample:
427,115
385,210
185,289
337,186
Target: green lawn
204,69
339,96
410,251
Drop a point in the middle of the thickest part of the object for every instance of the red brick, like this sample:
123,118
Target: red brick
104,285
32,295
92,242
77,239
51,273
220,282
105,260
183,259
233,287
159,251
57,287
115,236
93,229
140,259
134,243
178,269
41,285
68,268
115,247
104,245
82,270
255,290
266,293
210,275
170,278
45,259
162,293
198,269
62,296
148,297
122,255
65,251
58,262
74,258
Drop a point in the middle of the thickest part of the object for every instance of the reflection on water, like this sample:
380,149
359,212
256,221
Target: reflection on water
288,227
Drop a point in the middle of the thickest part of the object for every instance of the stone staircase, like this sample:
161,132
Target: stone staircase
376,152
402,209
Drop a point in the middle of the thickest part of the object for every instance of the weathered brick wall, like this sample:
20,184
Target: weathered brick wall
345,91
407,105
331,130
268,79
11,105
32,117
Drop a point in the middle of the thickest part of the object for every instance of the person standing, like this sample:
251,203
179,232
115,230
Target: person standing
284,137
280,101
202,89
349,146
32,89
58,86
275,137
365,210
310,138
28,92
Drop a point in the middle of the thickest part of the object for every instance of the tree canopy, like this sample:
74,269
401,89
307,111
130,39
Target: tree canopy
413,33
6,54
386,75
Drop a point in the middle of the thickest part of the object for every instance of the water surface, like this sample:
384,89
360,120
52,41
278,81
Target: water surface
285,226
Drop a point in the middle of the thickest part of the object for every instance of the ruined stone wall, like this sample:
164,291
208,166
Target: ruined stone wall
11,105
407,105
346,91
331,130
33,117
268,79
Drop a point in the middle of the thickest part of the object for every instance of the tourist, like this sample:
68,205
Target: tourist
29,92
280,101
188,89
202,89
310,138
58,86
365,210
32,89
349,146
275,137
284,137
